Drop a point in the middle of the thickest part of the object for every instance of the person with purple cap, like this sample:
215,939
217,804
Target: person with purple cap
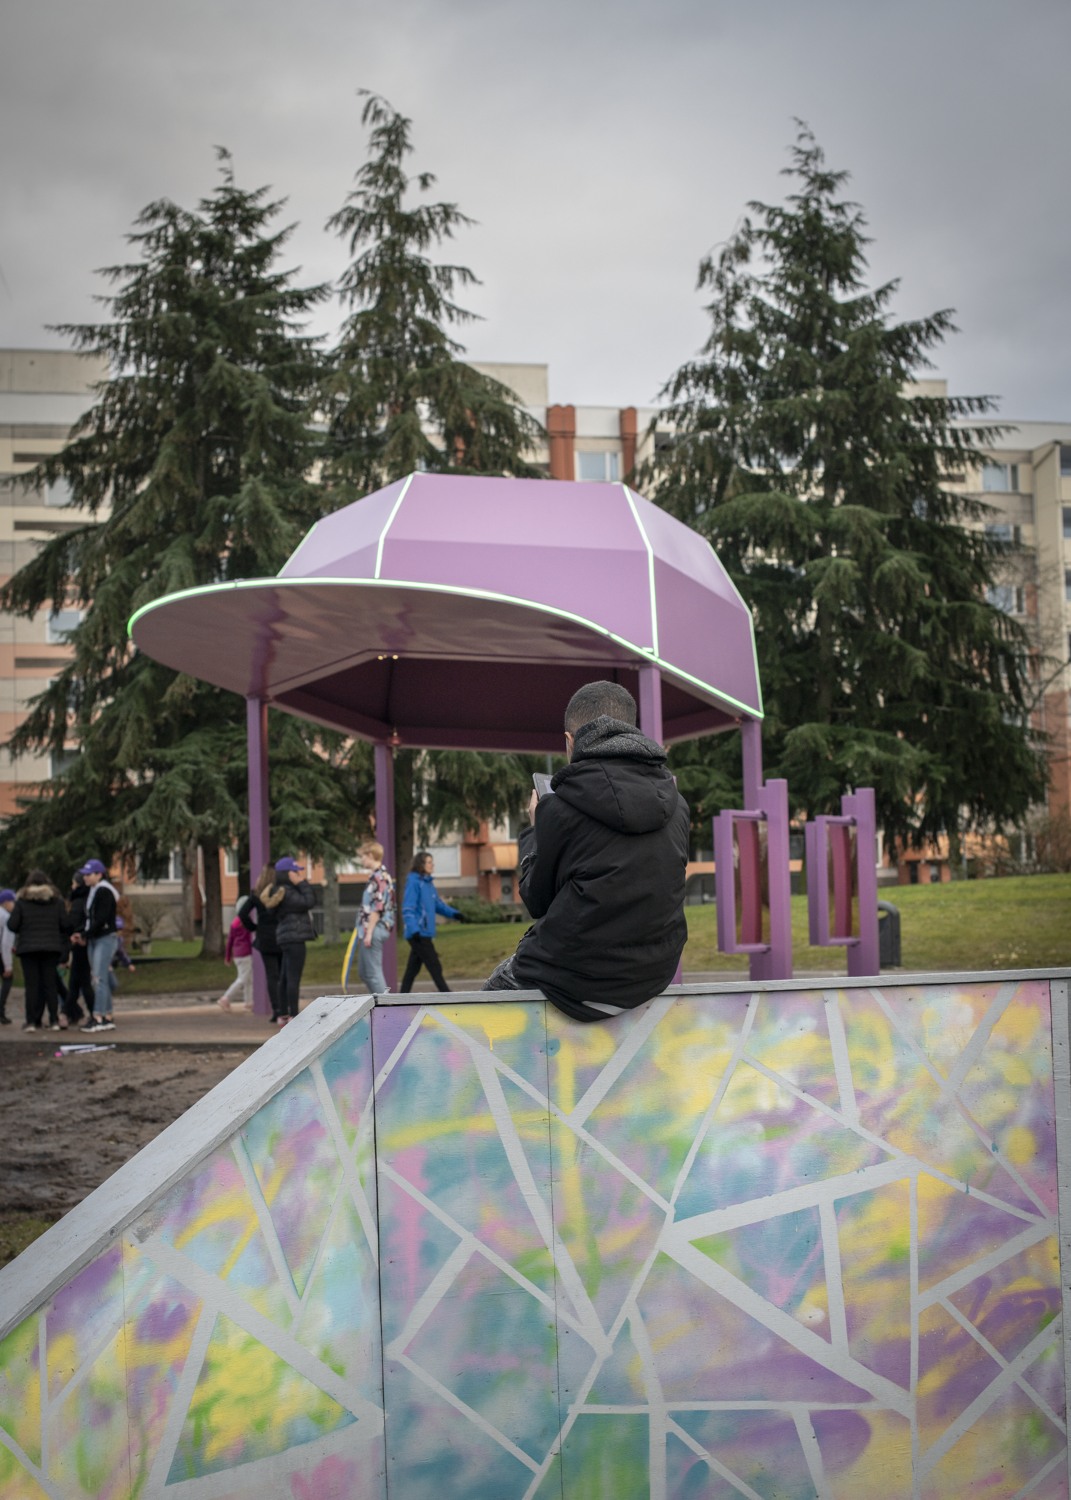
102,939
7,953
293,899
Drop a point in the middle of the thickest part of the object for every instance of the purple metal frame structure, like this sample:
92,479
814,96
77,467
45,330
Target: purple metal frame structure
840,865
390,623
762,876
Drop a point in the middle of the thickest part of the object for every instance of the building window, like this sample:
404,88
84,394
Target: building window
1067,523
1004,531
58,492
1008,598
447,859
1067,584
230,862
60,623
61,761
174,866
1065,460
507,888
603,467
1000,478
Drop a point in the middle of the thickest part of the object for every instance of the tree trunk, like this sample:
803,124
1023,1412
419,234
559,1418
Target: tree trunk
332,924
212,921
957,864
187,926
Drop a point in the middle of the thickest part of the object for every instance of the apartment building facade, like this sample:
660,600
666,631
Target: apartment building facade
43,392
1027,485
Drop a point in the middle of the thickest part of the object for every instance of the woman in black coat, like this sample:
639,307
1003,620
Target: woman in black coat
292,899
262,920
42,929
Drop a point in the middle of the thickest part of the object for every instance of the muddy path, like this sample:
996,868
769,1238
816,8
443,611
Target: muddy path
66,1124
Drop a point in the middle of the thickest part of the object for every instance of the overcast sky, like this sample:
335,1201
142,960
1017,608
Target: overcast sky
602,148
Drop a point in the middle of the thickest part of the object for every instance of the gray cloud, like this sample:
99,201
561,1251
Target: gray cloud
603,150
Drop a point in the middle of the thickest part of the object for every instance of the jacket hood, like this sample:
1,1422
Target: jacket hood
36,893
618,777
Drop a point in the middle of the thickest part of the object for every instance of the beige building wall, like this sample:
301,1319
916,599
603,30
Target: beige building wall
1027,486
43,392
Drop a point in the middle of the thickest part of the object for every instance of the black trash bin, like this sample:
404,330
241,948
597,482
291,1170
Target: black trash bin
888,935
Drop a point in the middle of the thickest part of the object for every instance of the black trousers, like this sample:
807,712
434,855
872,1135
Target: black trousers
290,978
79,982
42,992
422,951
273,964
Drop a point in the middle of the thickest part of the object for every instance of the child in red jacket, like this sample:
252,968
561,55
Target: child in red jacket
240,949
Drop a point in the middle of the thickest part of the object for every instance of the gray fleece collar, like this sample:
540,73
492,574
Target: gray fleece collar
612,739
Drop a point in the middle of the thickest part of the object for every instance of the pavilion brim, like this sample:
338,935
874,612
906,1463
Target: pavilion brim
421,665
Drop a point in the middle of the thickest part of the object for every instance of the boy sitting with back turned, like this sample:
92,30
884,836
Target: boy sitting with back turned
602,868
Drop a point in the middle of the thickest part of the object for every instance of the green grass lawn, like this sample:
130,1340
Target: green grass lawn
1020,923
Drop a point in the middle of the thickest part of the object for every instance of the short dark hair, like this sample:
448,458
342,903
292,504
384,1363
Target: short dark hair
598,698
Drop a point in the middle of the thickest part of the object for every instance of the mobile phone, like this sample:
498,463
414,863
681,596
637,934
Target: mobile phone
542,785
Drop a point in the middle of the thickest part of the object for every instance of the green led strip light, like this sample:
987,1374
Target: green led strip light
456,590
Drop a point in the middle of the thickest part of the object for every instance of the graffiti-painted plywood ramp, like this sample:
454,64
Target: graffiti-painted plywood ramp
782,1243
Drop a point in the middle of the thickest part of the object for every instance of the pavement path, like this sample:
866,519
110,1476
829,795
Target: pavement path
182,1020
191,1020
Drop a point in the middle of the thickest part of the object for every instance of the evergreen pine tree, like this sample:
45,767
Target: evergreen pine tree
804,449
191,468
399,398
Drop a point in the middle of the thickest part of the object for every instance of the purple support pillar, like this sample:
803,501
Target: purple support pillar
650,704
751,751
256,730
650,707
776,962
384,764
863,957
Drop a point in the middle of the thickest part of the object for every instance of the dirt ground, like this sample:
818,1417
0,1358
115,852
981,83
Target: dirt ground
67,1123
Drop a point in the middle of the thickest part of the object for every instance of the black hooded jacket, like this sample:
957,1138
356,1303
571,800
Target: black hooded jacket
39,921
602,872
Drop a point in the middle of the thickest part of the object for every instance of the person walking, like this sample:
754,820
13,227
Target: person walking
293,897
42,926
239,951
420,906
102,939
262,920
376,918
7,954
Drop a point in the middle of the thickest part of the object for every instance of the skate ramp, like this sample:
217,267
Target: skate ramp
760,1241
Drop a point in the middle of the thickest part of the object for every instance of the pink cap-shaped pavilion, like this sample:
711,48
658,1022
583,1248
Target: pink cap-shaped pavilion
447,611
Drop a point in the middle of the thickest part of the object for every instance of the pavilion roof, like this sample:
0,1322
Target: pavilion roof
452,611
